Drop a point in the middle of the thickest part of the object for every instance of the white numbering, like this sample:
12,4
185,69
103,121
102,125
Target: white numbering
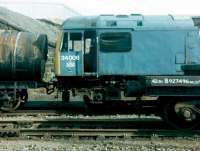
172,81
70,58
70,65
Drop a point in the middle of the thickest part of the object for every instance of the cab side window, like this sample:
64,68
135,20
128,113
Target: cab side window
115,42
75,42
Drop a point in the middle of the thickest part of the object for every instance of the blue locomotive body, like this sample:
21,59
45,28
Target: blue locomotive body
129,46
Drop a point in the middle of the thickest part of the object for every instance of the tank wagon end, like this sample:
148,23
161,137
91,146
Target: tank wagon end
22,65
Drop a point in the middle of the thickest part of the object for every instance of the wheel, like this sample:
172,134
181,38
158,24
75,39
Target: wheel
10,101
179,116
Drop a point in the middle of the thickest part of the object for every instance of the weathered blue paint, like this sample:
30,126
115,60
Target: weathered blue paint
160,44
153,53
71,63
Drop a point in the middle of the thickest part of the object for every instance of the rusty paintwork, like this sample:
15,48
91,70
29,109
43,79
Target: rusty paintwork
22,56
57,53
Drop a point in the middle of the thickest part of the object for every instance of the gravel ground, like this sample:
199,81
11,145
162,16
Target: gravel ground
109,145
155,144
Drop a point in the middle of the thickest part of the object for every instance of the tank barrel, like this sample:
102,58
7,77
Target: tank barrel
22,55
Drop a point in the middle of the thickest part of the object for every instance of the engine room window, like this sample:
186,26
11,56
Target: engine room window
115,42
75,42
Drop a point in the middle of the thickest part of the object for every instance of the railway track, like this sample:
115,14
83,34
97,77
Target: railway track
50,123
98,133
35,113
76,122
120,133
90,128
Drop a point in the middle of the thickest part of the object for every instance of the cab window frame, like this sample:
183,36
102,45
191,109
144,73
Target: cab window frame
69,44
116,41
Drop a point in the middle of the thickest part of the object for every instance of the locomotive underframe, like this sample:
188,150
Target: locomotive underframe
177,99
135,86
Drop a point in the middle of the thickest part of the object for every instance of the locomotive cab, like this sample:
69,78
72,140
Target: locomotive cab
78,53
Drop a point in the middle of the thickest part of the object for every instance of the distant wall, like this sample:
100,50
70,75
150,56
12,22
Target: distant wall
40,10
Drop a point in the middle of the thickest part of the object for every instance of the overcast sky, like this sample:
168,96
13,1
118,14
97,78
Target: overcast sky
135,6
94,7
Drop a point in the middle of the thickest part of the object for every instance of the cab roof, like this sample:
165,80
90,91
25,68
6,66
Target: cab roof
134,21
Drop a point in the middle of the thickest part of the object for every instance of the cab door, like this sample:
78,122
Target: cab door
90,52
71,56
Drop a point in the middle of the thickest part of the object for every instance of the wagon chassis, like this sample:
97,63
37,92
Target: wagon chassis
14,93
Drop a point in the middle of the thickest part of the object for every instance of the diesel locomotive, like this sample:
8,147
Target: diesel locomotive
135,59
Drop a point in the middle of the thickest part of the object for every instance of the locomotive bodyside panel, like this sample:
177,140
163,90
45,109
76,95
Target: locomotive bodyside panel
193,48
153,52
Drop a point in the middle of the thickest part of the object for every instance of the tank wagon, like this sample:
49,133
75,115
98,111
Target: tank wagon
22,65
138,59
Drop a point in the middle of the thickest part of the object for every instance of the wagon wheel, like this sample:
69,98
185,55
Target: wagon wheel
23,96
177,120
11,102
